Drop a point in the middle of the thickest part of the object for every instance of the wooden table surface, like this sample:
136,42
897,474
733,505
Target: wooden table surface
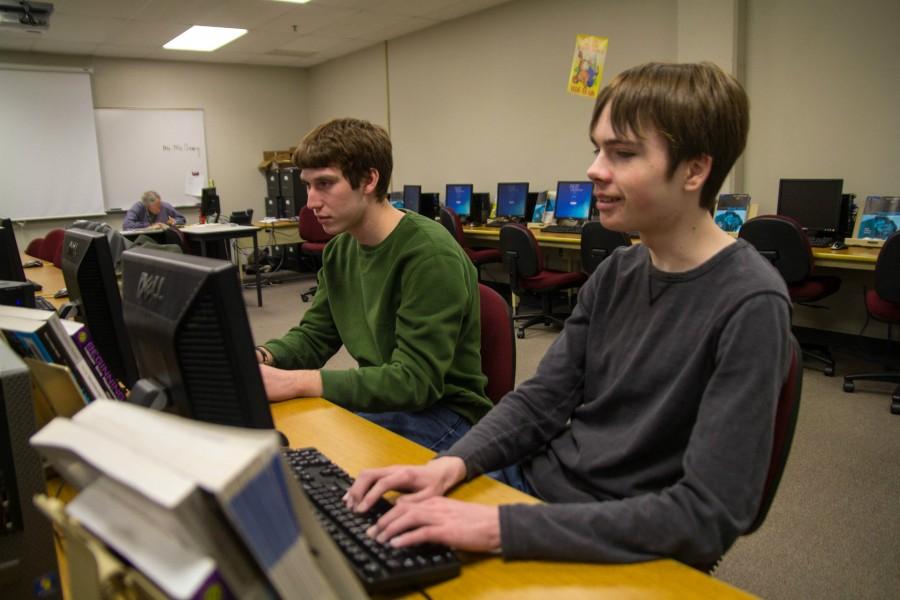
49,276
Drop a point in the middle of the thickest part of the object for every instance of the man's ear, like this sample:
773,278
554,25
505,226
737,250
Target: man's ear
370,181
697,172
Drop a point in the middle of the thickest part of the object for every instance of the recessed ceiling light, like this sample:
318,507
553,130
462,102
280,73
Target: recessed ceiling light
201,38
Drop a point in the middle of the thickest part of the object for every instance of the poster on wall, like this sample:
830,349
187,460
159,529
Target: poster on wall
587,65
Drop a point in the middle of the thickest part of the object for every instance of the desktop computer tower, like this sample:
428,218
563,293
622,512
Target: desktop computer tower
17,293
272,207
273,184
480,209
530,201
27,556
290,182
848,215
429,204
287,208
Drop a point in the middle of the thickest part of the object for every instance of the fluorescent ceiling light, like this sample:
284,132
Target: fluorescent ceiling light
204,39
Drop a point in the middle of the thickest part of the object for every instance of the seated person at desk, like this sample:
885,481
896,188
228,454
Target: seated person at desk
394,288
648,426
151,211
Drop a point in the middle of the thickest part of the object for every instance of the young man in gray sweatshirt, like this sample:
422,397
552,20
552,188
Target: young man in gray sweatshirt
648,426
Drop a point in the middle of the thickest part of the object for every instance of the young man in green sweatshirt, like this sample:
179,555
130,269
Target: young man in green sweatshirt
394,288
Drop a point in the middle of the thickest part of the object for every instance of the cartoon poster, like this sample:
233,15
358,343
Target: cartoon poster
587,65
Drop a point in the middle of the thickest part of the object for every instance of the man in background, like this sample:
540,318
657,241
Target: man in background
151,211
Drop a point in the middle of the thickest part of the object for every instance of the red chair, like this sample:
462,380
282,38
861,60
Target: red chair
883,304
34,247
784,243
313,244
478,256
785,423
525,265
498,344
51,248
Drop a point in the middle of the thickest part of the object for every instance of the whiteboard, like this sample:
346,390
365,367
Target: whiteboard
48,146
163,150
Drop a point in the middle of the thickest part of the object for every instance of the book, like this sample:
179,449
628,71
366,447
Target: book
71,356
85,344
240,473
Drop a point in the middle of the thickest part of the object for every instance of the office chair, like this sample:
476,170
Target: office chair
524,263
313,244
51,248
785,423
597,243
478,256
883,304
498,344
783,242
34,247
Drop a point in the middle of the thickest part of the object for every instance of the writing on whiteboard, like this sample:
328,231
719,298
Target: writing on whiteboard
181,148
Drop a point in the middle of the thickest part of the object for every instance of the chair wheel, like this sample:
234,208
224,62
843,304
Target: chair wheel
829,371
849,387
520,333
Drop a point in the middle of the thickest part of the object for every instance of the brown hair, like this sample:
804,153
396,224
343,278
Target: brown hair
352,145
697,108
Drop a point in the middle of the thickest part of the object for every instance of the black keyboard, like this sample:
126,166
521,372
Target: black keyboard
43,304
820,242
562,229
379,567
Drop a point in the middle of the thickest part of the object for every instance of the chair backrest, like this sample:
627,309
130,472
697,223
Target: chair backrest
310,228
597,243
498,344
521,253
887,270
783,242
51,249
450,221
785,422
34,247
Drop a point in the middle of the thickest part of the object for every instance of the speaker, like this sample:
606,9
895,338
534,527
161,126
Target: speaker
27,557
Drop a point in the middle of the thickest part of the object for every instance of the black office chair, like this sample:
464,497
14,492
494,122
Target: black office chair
783,242
524,263
883,304
597,243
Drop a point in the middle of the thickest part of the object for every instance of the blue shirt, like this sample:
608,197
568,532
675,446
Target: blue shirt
139,217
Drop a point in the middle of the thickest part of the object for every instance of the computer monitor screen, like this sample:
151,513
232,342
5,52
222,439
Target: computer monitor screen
188,325
573,200
89,272
10,263
511,199
459,198
731,211
880,218
411,195
814,203
396,199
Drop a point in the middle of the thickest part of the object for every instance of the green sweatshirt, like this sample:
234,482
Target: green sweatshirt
408,311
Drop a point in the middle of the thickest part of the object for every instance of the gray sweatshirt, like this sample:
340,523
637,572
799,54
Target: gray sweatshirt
648,426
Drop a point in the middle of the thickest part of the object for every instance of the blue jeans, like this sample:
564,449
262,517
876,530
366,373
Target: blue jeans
437,428
514,477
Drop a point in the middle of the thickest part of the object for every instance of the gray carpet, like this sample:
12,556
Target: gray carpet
834,528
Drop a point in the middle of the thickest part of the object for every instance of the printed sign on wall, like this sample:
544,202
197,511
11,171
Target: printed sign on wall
587,65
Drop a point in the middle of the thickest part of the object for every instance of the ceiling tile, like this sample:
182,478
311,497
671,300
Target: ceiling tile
16,42
258,42
119,9
119,51
146,33
80,28
56,47
307,18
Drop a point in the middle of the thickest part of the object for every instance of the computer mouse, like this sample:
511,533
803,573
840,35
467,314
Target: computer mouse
61,293
838,246
30,264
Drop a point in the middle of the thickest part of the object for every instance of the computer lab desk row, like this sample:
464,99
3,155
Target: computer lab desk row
848,258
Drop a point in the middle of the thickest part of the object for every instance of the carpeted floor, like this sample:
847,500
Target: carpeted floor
834,528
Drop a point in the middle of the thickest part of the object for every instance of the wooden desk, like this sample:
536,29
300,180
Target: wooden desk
49,277
850,258
211,232
355,444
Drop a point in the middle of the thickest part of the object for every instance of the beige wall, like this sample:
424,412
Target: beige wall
247,109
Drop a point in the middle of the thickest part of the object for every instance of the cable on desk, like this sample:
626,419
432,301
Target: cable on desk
425,594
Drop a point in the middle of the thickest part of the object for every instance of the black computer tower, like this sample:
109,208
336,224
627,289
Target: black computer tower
290,182
530,202
287,208
273,184
27,556
480,209
17,293
429,204
272,207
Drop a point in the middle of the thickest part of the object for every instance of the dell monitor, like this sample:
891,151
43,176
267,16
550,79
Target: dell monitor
89,272
411,197
192,342
11,262
511,199
459,198
573,200
814,203
731,212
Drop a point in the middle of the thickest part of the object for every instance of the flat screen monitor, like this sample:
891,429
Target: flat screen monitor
411,197
573,200
396,199
89,272
10,263
459,198
880,217
814,203
192,342
511,198
731,212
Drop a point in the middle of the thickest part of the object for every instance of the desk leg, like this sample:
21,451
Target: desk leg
202,247
258,274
